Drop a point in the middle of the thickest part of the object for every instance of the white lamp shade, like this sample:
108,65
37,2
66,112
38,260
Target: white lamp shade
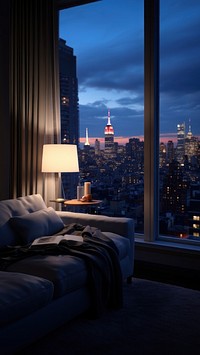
60,158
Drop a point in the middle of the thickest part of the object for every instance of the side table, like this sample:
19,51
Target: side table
80,204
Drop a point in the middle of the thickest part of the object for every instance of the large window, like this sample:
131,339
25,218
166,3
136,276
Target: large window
179,156
107,39
157,176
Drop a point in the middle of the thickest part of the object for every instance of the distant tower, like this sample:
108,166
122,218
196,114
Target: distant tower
189,135
109,138
170,151
69,109
180,149
191,144
175,185
97,147
87,143
162,155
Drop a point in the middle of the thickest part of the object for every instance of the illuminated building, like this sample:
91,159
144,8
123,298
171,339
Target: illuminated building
170,151
180,149
191,145
97,147
194,212
69,110
162,155
175,193
109,138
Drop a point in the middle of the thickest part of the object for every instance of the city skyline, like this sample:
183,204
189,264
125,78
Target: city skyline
164,138
111,75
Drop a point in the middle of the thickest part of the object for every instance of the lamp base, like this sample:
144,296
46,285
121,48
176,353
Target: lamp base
58,200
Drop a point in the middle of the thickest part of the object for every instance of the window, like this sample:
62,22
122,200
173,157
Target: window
160,165
179,118
102,46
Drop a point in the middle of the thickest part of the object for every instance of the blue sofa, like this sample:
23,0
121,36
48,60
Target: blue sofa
42,292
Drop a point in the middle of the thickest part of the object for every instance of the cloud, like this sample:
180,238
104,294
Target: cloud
123,120
136,101
180,50
110,65
112,71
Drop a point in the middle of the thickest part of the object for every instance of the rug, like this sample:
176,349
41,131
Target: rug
156,318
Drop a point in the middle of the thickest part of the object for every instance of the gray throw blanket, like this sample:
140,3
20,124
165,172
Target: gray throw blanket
101,258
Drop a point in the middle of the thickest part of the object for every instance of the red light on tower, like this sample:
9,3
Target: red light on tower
109,128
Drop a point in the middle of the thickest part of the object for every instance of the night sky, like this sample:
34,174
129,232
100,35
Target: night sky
108,41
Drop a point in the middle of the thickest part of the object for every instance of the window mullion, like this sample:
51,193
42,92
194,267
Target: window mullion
151,119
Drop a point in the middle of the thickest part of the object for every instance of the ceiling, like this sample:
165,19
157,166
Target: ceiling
64,4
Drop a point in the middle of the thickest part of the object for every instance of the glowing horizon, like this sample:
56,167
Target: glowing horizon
122,140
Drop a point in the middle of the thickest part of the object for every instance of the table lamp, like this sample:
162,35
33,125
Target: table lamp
60,158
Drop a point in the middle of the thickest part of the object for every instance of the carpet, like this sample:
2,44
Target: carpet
157,319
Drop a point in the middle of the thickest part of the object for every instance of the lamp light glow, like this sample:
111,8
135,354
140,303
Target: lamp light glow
60,158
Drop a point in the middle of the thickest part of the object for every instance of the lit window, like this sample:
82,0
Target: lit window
65,100
195,234
196,226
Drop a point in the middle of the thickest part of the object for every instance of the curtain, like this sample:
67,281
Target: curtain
34,94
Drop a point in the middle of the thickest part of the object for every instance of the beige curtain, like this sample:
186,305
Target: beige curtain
35,103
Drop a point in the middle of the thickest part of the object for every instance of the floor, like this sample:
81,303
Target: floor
167,274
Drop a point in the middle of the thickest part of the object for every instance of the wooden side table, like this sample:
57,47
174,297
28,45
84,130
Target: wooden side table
86,205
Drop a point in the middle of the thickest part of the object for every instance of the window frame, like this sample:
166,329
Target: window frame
151,119
152,125
152,130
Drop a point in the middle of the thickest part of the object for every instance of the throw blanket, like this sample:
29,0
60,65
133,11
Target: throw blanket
101,258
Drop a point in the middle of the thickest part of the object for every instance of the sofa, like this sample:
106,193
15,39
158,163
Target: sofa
41,292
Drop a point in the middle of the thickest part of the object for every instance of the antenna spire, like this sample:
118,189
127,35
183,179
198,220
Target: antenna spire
109,124
86,138
190,125
189,135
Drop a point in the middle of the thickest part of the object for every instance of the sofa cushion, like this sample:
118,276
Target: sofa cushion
32,203
67,272
7,210
16,207
36,224
122,243
22,294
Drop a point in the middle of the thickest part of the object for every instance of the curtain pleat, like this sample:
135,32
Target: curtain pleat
35,97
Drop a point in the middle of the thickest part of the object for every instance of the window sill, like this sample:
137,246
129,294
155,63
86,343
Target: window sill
168,253
168,245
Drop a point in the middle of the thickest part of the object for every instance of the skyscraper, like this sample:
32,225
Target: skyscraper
170,151
191,144
68,94
194,211
69,110
97,147
175,191
109,138
180,149
162,155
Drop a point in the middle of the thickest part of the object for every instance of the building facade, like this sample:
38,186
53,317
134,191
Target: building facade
180,149
69,110
109,139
